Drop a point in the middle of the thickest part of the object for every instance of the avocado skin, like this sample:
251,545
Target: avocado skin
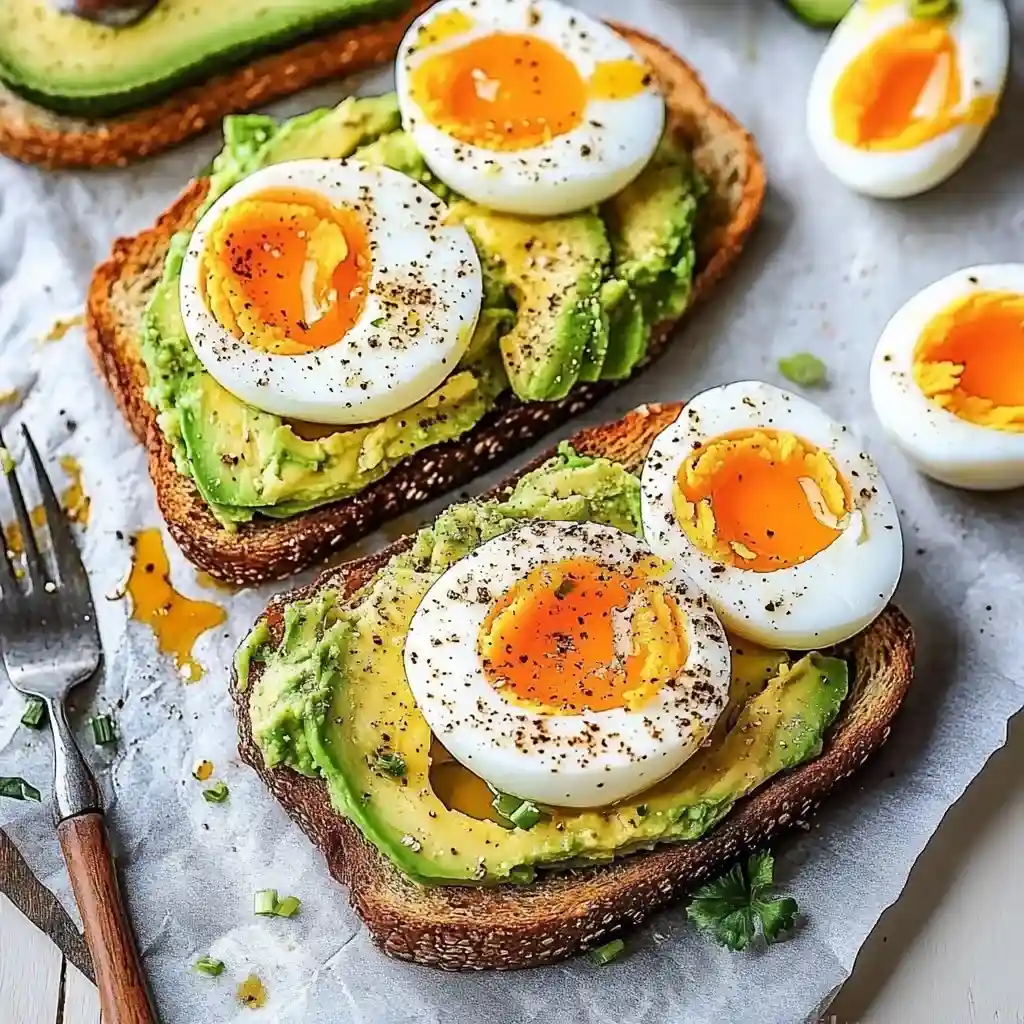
319,707
127,81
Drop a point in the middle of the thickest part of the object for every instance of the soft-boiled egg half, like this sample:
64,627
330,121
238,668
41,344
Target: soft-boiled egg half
776,512
947,378
330,291
566,664
898,102
527,106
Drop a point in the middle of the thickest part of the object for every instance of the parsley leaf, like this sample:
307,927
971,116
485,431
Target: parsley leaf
804,369
730,907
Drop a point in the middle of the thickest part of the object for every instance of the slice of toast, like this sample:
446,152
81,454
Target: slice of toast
556,916
35,135
266,549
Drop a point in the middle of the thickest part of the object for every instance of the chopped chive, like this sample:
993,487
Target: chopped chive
103,734
390,764
932,8
505,804
288,906
379,322
804,369
608,952
34,714
216,794
18,789
208,966
525,816
265,902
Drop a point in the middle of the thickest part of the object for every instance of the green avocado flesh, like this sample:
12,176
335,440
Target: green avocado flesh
554,313
74,66
332,700
820,13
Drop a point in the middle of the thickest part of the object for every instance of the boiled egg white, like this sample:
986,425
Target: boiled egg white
563,663
897,102
947,378
776,512
329,291
527,106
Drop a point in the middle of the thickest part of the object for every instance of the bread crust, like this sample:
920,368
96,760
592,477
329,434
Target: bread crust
34,135
557,916
265,549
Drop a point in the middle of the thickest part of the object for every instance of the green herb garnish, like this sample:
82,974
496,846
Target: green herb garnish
208,966
103,734
804,369
730,907
288,906
216,794
608,952
34,714
379,322
390,764
18,789
526,815
932,8
264,902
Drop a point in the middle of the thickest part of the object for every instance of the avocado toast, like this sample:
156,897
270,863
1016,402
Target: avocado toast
732,177
137,90
821,716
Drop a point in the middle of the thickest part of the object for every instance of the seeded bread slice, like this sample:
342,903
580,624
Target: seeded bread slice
267,549
509,926
35,135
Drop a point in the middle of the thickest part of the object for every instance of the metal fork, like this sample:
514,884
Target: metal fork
50,643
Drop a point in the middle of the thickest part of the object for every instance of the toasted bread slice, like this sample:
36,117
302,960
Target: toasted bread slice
509,926
265,549
35,135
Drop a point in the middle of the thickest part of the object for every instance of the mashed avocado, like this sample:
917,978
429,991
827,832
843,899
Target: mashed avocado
566,299
332,702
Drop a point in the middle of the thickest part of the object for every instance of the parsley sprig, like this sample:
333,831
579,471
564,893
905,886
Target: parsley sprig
730,907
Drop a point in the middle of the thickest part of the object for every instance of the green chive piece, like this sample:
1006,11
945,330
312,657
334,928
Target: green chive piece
390,764
216,794
379,322
208,966
505,804
288,906
804,369
34,714
103,734
607,953
265,902
933,8
525,816
18,789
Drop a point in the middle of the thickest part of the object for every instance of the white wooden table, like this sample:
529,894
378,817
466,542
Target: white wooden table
947,953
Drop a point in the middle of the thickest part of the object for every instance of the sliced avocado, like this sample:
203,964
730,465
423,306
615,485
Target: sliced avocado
627,329
651,223
398,151
553,269
776,719
820,13
74,66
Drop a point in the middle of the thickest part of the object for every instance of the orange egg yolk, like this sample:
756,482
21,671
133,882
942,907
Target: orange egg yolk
286,270
577,635
970,360
513,91
761,500
903,89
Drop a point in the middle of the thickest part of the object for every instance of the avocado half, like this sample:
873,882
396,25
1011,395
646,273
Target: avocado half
72,66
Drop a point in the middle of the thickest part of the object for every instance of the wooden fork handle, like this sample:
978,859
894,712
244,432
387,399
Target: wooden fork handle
124,997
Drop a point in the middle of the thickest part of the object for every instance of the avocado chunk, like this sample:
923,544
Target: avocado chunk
820,13
330,672
553,270
73,66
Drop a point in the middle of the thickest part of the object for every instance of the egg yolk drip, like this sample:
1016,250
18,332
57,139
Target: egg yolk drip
286,270
513,91
970,360
903,89
760,500
576,635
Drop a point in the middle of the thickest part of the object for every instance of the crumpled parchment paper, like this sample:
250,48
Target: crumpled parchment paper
824,273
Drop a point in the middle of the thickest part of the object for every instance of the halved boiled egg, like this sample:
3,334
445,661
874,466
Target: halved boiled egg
776,512
330,291
947,378
899,99
527,106
564,663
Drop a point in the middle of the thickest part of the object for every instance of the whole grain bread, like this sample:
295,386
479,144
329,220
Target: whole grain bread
35,135
265,549
455,927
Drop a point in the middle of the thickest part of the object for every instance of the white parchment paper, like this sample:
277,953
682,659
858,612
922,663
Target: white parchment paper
824,273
